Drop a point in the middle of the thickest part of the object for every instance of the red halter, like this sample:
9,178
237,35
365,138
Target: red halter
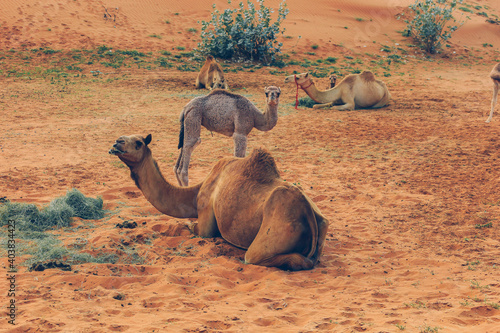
303,88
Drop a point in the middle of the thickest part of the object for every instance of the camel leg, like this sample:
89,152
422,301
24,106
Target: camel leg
198,85
177,167
240,144
325,105
207,224
187,150
192,129
496,87
285,237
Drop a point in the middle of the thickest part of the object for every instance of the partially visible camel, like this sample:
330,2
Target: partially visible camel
355,91
226,113
333,80
495,76
211,75
244,200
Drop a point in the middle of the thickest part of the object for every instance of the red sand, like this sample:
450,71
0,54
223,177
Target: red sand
403,187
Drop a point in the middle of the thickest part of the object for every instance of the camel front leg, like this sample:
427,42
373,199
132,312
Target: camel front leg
206,225
496,87
240,144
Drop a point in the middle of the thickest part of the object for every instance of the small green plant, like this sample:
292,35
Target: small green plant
432,23
401,327
306,102
243,33
486,225
428,329
314,46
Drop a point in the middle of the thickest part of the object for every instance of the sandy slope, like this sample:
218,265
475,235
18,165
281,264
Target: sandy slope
403,187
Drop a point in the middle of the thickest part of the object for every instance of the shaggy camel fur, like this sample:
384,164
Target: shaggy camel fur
495,76
211,75
244,200
226,113
355,91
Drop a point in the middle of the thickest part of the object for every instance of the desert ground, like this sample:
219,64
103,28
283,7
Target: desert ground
410,190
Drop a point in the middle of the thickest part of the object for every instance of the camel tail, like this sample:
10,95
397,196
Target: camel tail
181,132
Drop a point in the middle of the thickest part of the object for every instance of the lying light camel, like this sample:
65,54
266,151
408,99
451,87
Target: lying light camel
495,76
355,91
244,200
211,75
226,113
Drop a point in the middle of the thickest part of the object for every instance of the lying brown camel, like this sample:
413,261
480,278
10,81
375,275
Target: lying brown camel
355,91
495,76
244,200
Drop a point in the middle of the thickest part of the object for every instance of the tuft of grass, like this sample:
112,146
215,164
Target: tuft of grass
57,214
306,102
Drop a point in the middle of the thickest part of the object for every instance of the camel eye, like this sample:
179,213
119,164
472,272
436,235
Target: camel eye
267,94
278,94
138,145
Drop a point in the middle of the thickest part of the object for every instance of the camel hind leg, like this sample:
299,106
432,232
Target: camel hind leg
191,138
496,87
288,236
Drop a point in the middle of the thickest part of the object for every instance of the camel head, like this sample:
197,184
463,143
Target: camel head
301,79
333,80
131,149
272,95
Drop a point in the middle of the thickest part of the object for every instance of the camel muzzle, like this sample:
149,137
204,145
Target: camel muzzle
115,150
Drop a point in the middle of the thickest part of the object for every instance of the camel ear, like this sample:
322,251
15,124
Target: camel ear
147,140
307,75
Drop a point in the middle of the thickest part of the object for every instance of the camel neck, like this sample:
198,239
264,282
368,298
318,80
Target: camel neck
169,199
319,96
267,120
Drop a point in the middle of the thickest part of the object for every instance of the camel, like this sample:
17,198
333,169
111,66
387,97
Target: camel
355,91
243,200
226,113
333,80
495,76
211,75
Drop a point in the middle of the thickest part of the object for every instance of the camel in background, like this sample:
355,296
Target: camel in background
495,76
355,91
211,75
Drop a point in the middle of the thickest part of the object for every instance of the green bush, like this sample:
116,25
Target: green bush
243,33
432,23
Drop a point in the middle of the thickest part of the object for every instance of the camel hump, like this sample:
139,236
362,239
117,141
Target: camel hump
225,93
260,166
367,76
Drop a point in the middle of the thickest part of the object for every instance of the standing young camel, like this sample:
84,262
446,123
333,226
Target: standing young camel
495,76
225,113
355,91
